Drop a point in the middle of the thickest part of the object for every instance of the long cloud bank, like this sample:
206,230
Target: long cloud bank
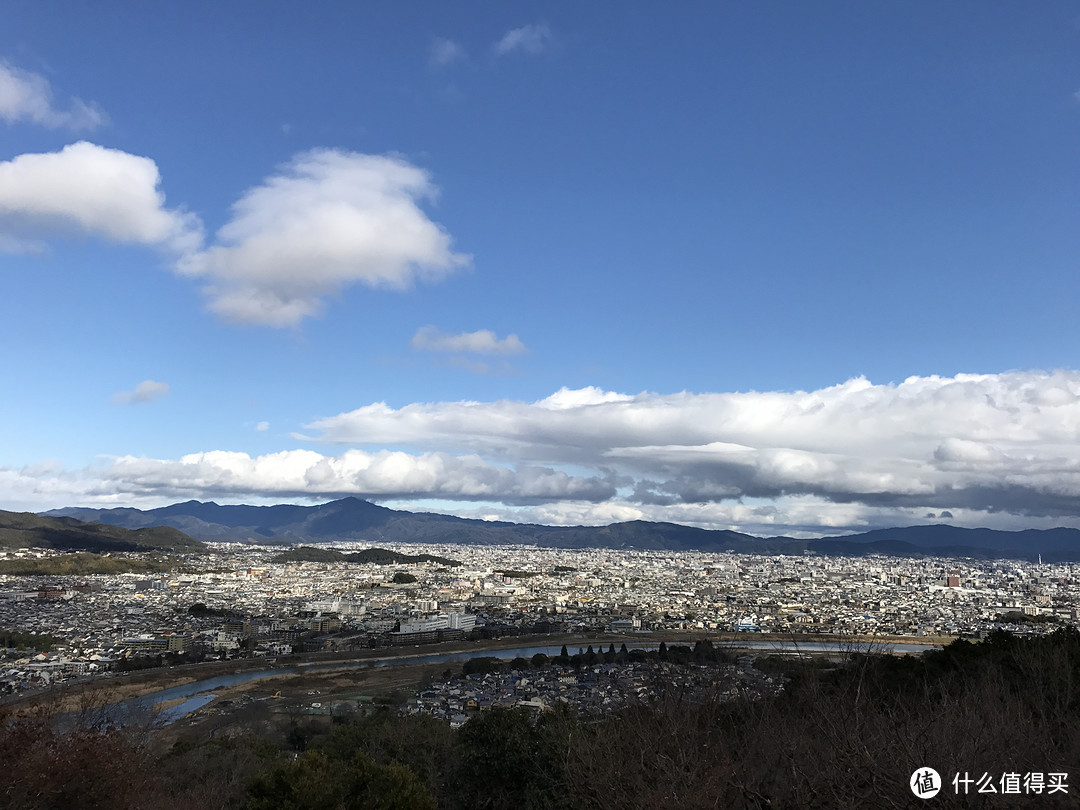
308,474
994,442
995,450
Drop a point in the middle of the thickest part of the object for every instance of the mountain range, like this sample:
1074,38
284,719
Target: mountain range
353,519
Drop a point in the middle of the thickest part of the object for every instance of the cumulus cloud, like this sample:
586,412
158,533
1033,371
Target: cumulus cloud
26,96
89,189
329,219
146,391
996,442
445,52
532,39
483,341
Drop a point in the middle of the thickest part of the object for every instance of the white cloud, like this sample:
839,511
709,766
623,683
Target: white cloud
1007,442
262,426
26,96
329,219
533,39
146,391
566,398
89,189
998,450
445,52
483,341
383,474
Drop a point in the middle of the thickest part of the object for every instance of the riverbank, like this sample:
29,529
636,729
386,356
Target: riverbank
97,692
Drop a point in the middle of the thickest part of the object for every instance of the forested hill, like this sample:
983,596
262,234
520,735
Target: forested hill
27,530
367,556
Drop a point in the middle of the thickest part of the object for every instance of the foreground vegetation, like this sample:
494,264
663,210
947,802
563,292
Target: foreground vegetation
842,734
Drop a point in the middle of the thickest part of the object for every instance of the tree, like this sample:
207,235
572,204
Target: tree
403,578
81,769
482,665
313,781
507,758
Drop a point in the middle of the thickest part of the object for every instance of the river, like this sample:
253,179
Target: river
199,693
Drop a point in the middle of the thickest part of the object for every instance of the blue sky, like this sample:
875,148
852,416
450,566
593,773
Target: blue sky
779,267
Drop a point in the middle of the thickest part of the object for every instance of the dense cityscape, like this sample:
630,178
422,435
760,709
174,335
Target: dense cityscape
238,602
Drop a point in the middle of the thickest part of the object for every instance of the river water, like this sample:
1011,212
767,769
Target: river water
199,693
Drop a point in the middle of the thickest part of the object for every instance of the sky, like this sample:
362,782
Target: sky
778,267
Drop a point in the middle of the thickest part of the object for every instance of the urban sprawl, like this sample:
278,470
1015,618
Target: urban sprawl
237,602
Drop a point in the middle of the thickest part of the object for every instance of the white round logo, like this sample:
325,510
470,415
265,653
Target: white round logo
925,783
